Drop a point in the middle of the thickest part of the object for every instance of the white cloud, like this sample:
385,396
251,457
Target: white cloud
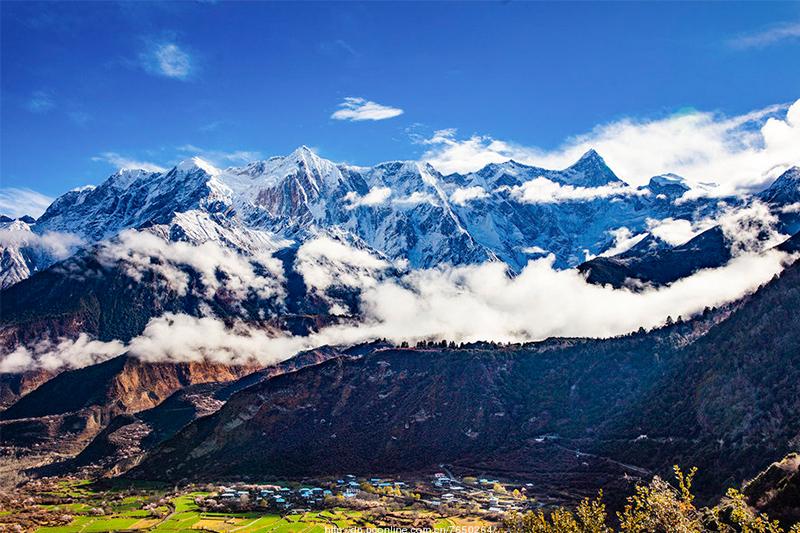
677,231
464,195
176,337
64,353
775,34
791,208
750,228
324,262
140,251
739,153
56,244
375,196
468,303
40,102
544,191
356,109
123,162
416,197
169,60
16,202
534,250
624,240
222,157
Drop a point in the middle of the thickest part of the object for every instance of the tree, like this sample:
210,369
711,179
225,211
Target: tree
657,507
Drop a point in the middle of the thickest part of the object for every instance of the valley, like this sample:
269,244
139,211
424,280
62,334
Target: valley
222,333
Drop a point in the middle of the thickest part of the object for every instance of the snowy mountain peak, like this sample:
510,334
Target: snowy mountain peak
785,189
121,179
590,170
670,185
792,174
590,155
400,209
196,163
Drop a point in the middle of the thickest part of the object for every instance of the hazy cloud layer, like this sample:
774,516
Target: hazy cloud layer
17,202
464,195
167,59
467,303
624,240
789,31
65,353
375,196
358,109
141,252
56,244
124,162
738,153
751,227
544,191
324,262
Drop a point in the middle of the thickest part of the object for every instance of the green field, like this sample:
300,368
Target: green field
185,516
125,512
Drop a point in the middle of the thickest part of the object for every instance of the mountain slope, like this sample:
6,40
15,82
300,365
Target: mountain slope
122,442
406,409
660,265
73,406
731,406
723,399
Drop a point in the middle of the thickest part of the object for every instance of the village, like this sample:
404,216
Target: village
441,492
427,501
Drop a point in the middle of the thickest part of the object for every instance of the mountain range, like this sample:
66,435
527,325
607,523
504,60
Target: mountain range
287,248
251,222
400,210
719,392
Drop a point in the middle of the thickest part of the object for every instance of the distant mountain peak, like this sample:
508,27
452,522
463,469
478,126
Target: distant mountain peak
785,189
591,155
121,179
670,185
590,170
792,174
196,163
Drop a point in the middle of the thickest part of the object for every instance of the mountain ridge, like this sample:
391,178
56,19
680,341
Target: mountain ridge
400,209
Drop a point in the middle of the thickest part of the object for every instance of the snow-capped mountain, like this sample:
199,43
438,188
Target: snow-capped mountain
23,251
400,210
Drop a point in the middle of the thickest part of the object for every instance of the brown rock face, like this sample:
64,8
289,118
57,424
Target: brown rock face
75,405
124,440
14,386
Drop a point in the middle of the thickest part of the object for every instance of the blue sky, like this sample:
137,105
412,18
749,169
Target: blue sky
87,87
